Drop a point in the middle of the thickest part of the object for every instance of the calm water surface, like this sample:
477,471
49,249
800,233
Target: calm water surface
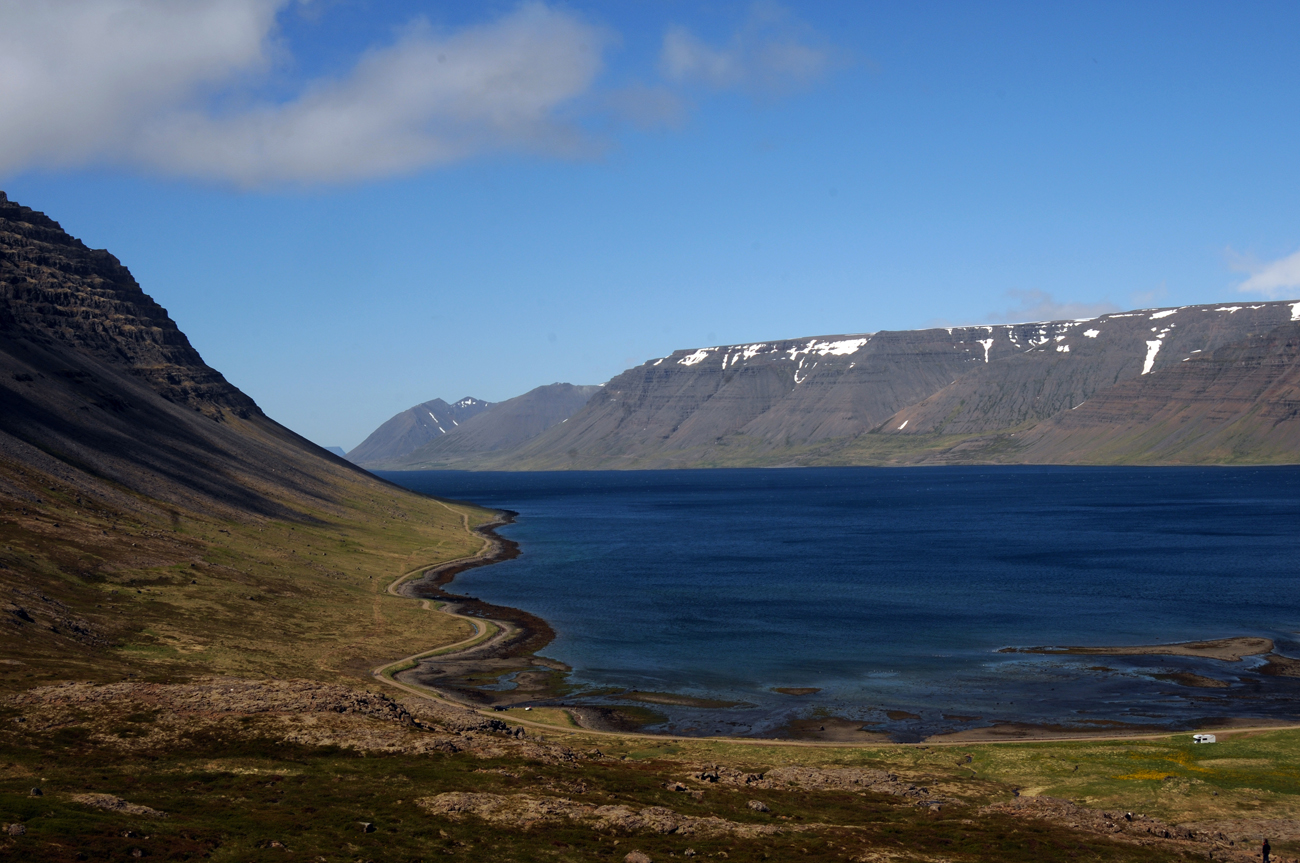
894,589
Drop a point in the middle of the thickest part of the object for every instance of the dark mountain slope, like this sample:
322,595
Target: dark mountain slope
95,377
58,294
139,491
502,427
414,427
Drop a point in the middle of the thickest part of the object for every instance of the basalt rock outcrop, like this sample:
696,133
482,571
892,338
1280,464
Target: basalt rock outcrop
59,295
104,399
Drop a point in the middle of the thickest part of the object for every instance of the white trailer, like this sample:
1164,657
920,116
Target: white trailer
1203,738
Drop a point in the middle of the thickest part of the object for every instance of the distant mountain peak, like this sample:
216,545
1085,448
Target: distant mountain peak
492,428
414,427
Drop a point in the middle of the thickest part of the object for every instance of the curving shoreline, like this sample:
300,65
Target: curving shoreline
501,634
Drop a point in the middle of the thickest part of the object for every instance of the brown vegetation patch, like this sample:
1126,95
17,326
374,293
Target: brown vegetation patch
524,811
116,804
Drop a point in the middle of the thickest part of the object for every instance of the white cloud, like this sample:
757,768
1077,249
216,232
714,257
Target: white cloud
79,78
1042,306
125,81
772,52
1278,279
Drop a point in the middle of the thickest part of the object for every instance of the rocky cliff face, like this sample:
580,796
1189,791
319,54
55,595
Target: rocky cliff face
56,292
413,428
834,399
102,394
1240,403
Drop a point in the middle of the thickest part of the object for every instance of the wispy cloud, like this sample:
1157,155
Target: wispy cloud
773,52
172,88
1042,306
1278,279
125,81
78,80
646,107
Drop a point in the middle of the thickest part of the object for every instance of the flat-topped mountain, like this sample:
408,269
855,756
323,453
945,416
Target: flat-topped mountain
497,428
413,428
947,394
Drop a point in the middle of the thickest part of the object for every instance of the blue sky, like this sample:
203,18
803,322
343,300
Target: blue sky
352,207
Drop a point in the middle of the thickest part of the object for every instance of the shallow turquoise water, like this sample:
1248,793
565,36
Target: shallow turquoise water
894,589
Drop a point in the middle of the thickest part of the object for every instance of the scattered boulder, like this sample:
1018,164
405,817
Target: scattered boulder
759,806
367,827
521,810
637,857
116,804
815,779
16,829
218,695
37,792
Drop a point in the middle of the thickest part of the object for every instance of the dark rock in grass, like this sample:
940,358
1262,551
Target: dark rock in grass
16,829
36,792
367,827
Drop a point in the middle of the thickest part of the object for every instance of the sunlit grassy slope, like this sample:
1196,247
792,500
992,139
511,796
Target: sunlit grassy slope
110,594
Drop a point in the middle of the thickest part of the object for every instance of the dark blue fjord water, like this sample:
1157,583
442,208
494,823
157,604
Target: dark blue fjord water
892,590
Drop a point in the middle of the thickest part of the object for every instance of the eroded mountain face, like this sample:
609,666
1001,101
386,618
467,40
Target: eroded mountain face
57,293
101,391
1240,402
834,399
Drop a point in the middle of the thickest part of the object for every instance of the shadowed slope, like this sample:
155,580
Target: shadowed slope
140,491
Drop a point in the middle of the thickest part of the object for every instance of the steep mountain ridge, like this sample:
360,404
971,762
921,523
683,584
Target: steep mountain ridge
98,384
59,294
830,399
